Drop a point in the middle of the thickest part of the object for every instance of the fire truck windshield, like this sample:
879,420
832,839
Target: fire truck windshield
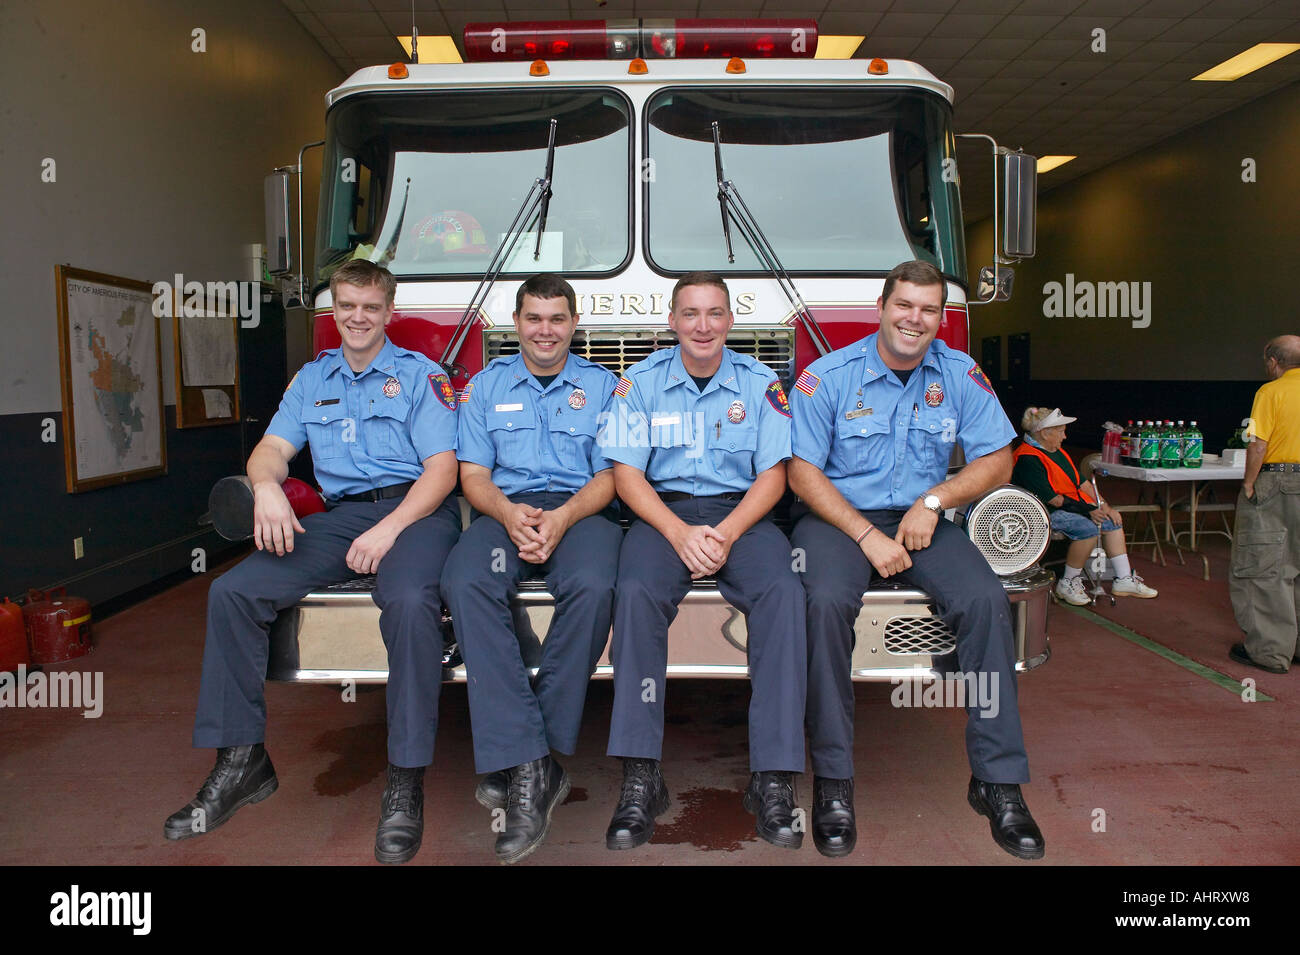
427,183
842,180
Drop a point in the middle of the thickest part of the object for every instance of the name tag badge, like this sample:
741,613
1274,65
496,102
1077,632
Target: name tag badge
518,407
666,420
858,413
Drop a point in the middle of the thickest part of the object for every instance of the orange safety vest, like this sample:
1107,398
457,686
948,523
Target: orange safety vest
1065,483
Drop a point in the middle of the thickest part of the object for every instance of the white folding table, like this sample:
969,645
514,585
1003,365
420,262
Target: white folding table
1198,479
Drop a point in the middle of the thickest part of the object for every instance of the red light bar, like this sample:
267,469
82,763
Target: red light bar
719,39
551,40
651,39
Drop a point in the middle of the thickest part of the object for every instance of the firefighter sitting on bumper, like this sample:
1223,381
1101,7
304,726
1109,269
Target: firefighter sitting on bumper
1044,468
531,466
700,436
381,423
874,425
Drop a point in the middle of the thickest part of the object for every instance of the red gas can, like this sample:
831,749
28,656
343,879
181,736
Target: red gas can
13,637
58,626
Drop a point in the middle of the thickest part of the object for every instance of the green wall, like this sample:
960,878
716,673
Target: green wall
1220,255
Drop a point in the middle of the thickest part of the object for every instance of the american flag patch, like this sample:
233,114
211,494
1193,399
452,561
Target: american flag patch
624,386
463,396
807,382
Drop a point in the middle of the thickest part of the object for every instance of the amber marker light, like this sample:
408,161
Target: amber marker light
1048,163
398,71
539,68
1257,57
637,67
735,65
878,67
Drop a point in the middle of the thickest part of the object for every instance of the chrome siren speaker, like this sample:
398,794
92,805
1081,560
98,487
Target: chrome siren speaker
1010,527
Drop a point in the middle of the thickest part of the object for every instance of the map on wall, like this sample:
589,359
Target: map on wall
110,356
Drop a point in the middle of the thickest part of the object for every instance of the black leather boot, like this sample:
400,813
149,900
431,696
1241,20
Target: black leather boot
401,815
1013,827
643,799
834,828
770,797
493,790
242,775
536,788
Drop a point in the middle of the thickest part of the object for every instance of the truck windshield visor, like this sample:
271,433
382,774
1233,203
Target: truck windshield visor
843,180
427,184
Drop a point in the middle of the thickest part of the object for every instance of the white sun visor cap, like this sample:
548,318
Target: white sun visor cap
1053,419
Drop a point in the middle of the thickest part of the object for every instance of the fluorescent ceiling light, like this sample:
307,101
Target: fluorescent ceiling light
433,49
1048,163
1257,57
837,47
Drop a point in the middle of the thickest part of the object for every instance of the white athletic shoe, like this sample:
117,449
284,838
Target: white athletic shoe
1131,586
1072,591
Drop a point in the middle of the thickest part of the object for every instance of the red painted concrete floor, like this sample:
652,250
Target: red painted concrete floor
1184,771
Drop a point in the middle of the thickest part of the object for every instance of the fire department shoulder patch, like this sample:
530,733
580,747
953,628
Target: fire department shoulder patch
776,398
977,375
441,386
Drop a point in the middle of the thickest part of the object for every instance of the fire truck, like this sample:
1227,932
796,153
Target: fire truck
622,155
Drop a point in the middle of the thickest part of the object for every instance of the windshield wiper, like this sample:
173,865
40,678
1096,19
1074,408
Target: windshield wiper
733,209
537,201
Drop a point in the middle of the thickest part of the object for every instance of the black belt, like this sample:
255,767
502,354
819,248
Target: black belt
1284,466
670,497
379,493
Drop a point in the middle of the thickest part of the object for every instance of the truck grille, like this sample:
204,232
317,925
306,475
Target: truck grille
620,348
908,635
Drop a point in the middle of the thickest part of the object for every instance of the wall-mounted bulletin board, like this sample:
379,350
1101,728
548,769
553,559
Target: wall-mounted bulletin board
110,365
207,361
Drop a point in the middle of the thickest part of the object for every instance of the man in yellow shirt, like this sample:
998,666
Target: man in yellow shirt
1266,542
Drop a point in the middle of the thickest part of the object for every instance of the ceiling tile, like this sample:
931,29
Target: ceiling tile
1019,26
966,24
1141,28
907,24
1197,29
367,24
943,47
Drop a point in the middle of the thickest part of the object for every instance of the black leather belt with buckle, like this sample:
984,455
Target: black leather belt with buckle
378,494
1285,467
670,497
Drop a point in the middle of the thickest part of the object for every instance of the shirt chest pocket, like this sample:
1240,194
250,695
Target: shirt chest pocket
860,441
514,434
572,436
732,448
384,429
930,438
329,429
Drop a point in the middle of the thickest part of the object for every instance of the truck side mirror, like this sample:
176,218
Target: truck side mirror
986,290
276,197
1020,204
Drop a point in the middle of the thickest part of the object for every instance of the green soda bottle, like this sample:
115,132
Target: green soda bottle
1171,446
1193,445
1149,445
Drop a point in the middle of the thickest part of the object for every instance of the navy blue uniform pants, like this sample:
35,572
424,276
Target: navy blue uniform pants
757,579
516,721
243,603
970,600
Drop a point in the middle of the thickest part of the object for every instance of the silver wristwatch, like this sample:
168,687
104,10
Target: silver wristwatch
931,502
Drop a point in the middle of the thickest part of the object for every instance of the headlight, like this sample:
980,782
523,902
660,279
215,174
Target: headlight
1009,526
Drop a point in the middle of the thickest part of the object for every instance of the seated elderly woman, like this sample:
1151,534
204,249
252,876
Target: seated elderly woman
1045,470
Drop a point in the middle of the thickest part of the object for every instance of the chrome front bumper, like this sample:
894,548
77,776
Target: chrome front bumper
332,635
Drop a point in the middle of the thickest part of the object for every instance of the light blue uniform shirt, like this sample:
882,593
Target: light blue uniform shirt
884,444
702,444
371,429
535,438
